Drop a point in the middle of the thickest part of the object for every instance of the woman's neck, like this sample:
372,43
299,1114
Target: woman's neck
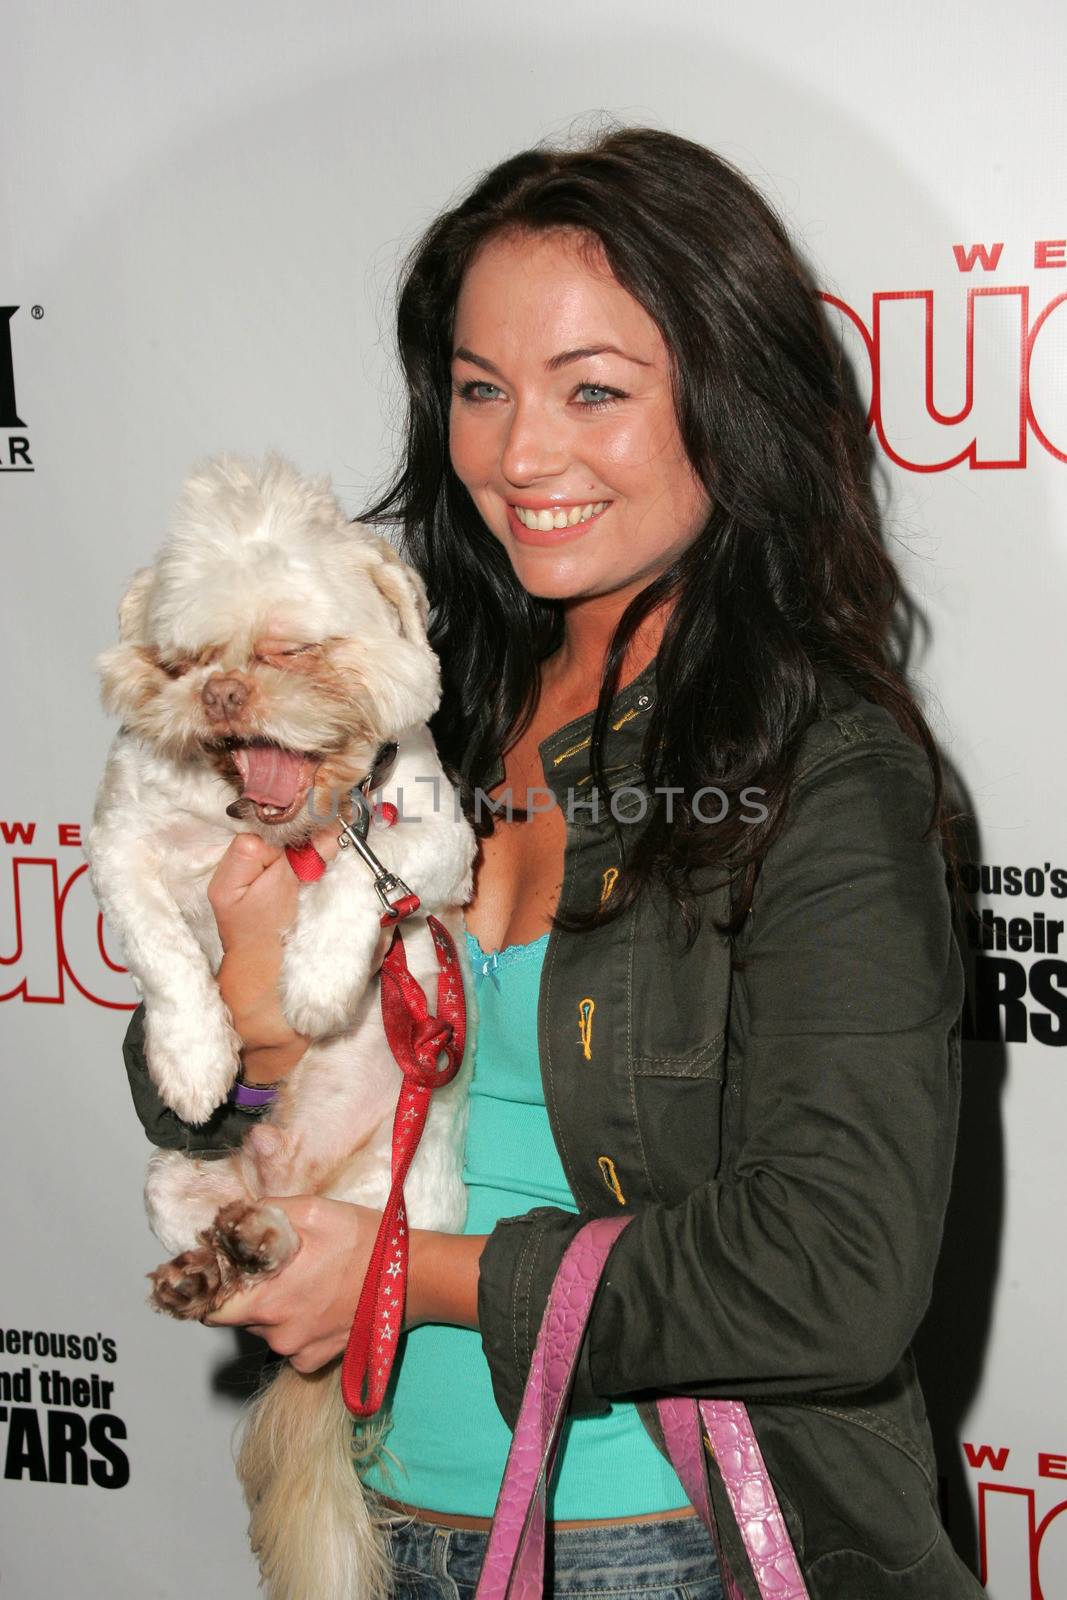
571,677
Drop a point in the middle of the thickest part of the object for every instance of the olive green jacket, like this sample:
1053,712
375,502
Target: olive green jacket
779,1115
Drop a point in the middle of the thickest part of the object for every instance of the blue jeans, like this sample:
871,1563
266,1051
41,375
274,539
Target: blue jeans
672,1559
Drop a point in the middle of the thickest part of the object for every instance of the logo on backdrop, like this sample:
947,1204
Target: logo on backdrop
14,436
57,1418
972,378
1021,1536
52,936
1012,1000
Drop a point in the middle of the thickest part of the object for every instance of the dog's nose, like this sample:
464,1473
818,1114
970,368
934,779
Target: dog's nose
224,697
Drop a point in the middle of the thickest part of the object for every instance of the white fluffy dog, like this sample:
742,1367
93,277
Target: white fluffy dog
265,661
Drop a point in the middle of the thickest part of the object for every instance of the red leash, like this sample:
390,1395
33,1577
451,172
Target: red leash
418,1040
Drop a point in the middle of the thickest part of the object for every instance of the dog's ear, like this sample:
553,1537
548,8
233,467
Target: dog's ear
402,587
133,608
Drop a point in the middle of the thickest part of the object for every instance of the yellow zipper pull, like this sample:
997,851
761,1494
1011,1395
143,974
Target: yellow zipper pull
586,1008
608,882
611,1177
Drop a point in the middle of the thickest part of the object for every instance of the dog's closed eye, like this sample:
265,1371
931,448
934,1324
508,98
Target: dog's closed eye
272,650
174,666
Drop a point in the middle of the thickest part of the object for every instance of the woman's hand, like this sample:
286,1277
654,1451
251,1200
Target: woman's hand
253,895
306,1311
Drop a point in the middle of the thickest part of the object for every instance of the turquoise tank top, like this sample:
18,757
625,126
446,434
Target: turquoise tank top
447,1442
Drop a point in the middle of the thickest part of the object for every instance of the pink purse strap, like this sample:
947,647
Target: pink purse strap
514,1564
732,1443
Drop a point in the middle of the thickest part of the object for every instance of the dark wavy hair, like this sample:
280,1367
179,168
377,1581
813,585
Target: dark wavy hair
789,572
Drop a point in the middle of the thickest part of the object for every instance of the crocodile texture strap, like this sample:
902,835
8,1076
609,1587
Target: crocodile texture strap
753,1501
732,1440
514,1564
684,1437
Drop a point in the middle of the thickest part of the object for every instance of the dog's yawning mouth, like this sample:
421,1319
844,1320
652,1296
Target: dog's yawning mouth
273,780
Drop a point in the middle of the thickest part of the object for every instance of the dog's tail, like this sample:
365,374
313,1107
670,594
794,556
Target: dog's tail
311,1523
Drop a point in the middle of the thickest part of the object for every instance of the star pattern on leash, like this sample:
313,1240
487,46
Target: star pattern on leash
422,1067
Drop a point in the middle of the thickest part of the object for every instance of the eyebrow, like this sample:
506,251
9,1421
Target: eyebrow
553,364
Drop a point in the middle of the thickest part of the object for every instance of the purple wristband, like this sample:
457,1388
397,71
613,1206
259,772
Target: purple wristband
249,1098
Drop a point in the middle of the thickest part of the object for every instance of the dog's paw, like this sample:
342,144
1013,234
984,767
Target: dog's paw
329,951
193,1056
245,1241
183,1194
318,1016
257,1239
195,1103
322,1000
189,1286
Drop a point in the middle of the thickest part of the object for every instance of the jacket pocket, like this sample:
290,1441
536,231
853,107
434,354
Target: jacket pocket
678,1006
866,1489
939,1573
678,998
679,1121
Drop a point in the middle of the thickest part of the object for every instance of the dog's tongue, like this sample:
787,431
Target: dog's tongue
270,776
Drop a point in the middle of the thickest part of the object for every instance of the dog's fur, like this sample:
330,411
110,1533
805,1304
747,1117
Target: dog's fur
260,556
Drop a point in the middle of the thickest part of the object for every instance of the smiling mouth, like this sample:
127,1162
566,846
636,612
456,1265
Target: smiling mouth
274,781
555,518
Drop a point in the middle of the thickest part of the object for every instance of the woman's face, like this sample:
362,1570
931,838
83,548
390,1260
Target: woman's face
563,426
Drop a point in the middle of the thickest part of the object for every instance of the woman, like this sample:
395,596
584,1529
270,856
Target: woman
718,947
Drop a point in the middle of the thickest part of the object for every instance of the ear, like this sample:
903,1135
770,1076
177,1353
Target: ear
133,609
400,585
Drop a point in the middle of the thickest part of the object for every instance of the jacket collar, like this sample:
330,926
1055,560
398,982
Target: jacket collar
565,753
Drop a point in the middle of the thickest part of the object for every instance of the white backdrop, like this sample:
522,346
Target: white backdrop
201,212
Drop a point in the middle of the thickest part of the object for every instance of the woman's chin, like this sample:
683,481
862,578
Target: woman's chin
572,583
556,574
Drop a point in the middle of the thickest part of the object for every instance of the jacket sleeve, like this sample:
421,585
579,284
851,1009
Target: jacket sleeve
806,1265
225,1127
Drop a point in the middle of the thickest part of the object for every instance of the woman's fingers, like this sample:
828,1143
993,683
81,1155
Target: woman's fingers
245,1309
252,891
253,894
247,857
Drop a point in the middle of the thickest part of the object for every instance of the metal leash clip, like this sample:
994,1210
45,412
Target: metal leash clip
396,897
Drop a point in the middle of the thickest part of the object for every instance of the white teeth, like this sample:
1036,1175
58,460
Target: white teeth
544,521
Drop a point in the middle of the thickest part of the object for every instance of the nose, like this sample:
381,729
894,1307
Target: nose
534,448
224,696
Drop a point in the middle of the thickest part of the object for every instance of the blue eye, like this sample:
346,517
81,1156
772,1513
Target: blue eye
467,390
597,395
